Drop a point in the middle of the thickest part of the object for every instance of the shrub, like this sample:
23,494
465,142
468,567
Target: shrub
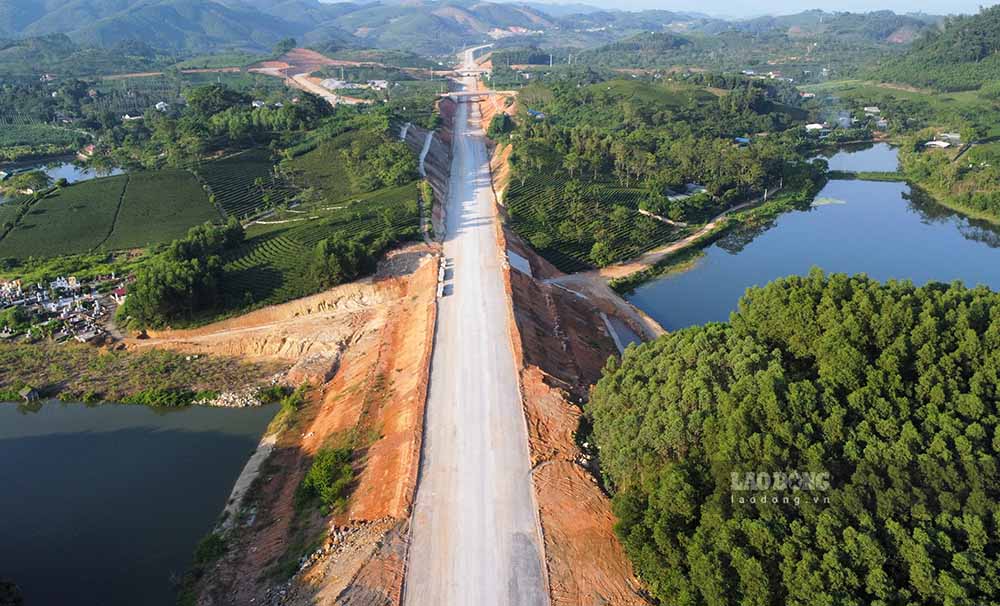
329,477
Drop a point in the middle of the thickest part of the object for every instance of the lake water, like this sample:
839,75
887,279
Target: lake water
100,505
869,227
880,157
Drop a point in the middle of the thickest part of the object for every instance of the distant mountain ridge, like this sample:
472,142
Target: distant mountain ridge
430,26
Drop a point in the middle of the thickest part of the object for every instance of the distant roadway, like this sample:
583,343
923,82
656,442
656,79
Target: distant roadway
475,534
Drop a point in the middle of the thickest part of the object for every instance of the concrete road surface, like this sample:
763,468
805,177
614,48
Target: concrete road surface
475,534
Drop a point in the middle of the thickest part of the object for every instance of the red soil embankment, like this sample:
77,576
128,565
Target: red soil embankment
560,345
373,341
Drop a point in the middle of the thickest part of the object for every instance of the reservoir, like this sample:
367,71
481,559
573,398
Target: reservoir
103,505
878,228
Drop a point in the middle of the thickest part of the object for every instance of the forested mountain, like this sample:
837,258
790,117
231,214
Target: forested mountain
194,25
889,389
962,55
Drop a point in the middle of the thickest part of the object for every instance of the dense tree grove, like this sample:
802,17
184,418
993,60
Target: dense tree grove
215,117
182,280
375,160
889,388
661,139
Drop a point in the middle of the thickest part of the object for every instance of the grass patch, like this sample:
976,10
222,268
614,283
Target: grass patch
291,403
328,480
673,263
207,552
80,372
847,175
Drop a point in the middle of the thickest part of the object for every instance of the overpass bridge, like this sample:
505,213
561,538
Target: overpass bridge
465,94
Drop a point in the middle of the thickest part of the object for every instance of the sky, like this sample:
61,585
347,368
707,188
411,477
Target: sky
731,8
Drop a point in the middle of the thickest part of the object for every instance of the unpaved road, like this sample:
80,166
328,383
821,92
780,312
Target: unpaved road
475,534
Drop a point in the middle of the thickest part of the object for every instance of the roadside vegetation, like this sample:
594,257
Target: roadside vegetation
881,386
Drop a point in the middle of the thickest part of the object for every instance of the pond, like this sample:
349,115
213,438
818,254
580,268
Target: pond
103,505
61,167
877,228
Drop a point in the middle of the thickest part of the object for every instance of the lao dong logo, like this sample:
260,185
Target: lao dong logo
779,488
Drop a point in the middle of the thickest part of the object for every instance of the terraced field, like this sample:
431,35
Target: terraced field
160,206
628,238
72,220
270,266
233,182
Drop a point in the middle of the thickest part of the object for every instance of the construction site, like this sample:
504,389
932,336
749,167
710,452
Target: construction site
455,378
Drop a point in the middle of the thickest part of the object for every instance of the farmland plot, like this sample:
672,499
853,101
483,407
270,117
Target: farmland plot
75,219
271,265
160,206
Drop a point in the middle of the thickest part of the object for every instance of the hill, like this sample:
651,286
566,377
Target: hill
962,55
799,46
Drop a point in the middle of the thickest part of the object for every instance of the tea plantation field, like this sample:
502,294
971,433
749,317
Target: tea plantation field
159,206
323,168
72,220
537,207
124,211
271,265
244,184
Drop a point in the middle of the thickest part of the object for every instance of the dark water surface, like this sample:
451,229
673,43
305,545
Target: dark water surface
869,227
100,505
